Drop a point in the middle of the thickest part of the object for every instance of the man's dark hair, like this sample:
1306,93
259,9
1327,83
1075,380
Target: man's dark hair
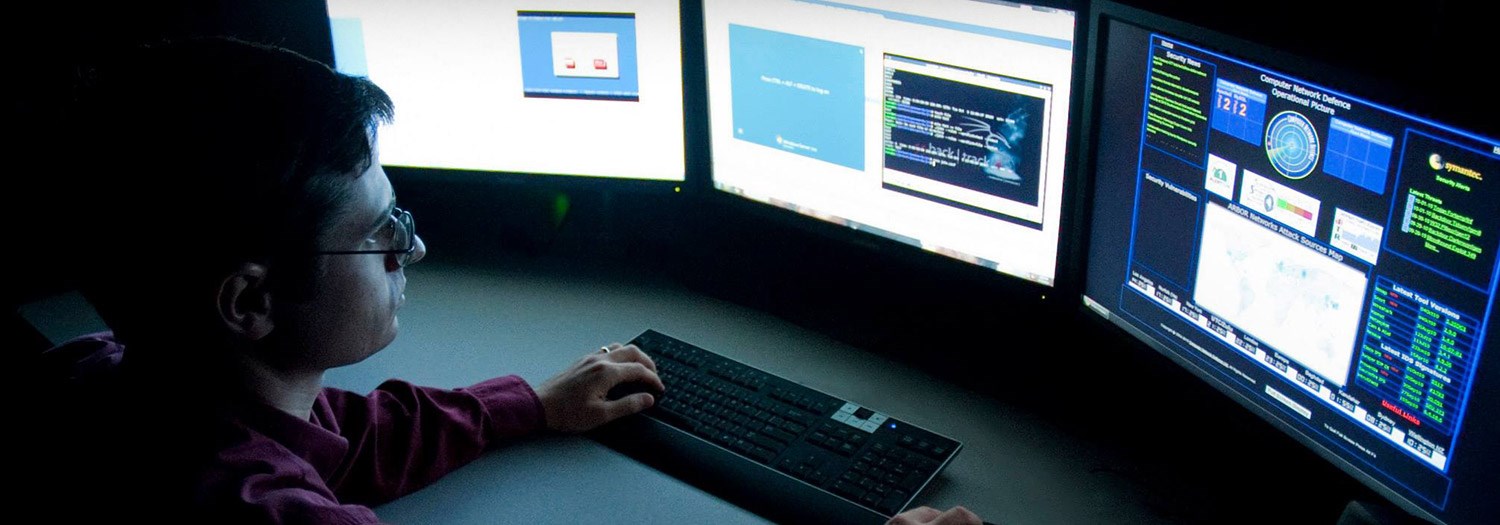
196,156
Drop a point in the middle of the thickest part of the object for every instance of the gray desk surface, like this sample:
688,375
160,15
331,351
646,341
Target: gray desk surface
464,324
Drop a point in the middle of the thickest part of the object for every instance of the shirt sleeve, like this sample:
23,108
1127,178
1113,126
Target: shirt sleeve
288,497
403,437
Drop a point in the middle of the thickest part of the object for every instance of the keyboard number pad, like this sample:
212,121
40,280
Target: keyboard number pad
884,477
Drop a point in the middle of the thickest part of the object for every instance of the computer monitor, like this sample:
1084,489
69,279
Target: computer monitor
1324,257
940,124
580,88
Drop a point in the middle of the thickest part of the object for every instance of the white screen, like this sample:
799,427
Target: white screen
558,87
941,124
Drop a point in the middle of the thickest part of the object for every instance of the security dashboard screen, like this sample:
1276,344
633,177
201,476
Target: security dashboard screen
589,88
1330,258
940,124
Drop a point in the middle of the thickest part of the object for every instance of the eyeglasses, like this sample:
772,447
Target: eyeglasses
400,233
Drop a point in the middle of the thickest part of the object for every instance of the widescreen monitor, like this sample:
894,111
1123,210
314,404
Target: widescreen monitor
1324,257
584,88
941,124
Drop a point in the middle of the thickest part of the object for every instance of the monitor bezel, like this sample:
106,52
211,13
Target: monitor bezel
558,181
1003,286
1299,62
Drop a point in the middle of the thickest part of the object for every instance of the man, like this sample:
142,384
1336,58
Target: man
236,232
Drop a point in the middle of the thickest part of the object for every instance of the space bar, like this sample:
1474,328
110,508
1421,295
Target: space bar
675,419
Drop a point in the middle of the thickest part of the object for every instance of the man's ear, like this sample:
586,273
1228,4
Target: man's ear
244,302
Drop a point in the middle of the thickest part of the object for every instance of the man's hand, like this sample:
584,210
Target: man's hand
574,400
930,516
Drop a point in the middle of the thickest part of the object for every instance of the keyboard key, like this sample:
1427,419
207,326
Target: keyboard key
848,489
777,433
744,446
786,465
764,441
763,454
891,504
802,471
912,482
677,419
814,460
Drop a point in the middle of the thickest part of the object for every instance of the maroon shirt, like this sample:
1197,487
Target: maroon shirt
247,462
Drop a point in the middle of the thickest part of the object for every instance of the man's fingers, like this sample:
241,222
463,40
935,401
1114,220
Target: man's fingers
636,372
630,354
957,515
914,516
628,405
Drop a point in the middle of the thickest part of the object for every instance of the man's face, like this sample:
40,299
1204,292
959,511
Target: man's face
352,311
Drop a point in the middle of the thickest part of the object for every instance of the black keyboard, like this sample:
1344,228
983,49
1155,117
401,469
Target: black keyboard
775,447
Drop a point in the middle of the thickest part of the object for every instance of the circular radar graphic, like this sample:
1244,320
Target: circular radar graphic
1292,144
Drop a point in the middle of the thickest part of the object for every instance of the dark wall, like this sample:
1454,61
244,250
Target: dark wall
45,43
